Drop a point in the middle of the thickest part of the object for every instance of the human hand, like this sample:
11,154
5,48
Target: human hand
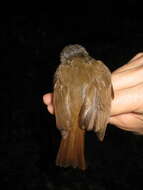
127,106
48,101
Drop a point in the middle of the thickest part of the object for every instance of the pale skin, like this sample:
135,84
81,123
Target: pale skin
127,105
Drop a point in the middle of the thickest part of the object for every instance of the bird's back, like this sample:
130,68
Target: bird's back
82,101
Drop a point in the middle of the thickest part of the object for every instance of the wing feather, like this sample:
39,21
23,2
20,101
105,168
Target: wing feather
62,109
95,110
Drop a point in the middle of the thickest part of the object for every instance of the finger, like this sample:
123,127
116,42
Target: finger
129,122
48,98
128,78
50,108
138,55
128,100
134,62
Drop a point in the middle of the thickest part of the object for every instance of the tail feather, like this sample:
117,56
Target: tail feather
71,151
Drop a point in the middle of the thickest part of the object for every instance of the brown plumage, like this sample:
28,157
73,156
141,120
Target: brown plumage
82,101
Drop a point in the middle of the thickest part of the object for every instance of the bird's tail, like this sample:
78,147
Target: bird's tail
71,151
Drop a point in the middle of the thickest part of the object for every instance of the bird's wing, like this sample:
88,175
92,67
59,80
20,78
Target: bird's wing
61,105
88,109
103,112
95,109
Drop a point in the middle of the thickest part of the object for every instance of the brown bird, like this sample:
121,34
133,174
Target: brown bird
82,101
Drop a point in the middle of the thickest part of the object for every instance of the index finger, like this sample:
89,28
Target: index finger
127,78
136,61
48,98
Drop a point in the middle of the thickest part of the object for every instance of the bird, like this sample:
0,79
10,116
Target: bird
82,97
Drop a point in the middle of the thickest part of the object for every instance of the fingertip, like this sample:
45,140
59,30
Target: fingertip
138,55
47,98
50,109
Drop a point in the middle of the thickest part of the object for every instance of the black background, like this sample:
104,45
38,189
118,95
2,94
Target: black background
31,42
